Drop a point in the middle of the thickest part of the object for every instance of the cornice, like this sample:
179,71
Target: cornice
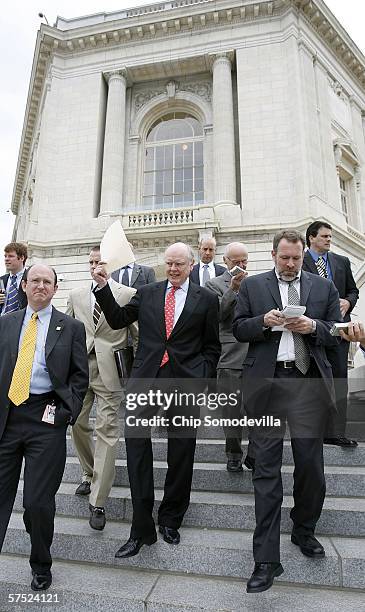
174,18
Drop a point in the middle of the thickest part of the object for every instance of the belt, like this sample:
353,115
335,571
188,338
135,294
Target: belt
287,365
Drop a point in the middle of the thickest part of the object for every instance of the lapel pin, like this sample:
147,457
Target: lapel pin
58,329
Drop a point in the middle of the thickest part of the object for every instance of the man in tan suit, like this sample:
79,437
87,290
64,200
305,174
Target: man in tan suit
98,462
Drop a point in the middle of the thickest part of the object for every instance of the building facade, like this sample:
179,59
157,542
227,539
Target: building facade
230,118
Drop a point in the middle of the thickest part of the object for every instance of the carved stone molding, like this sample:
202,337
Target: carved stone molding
203,89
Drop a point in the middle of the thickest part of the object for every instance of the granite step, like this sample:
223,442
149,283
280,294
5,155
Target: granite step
346,481
203,552
81,587
213,451
340,515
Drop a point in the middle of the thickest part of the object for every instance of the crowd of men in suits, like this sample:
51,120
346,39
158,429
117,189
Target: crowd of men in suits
202,322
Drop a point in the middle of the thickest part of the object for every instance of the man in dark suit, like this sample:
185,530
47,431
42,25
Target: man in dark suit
12,296
286,376
206,269
178,339
44,378
134,275
319,260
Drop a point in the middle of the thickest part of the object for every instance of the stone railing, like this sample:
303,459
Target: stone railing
160,218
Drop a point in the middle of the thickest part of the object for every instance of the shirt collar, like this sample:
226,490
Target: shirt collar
316,255
184,286
210,265
19,275
42,314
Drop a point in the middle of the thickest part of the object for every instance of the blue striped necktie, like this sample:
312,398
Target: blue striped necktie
12,302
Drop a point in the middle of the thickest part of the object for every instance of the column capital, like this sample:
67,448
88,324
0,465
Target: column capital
119,75
220,57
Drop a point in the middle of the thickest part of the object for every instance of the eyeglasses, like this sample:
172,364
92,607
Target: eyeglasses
237,262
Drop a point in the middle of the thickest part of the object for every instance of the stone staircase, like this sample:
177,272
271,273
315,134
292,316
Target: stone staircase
209,569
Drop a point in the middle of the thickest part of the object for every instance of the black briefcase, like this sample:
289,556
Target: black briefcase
124,362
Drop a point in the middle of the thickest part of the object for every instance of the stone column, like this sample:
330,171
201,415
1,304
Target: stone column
114,144
223,132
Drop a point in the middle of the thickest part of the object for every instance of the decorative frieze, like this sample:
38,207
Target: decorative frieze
201,88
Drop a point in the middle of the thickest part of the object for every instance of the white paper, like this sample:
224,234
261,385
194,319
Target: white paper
293,311
115,251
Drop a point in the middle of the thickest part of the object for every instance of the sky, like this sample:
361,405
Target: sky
20,23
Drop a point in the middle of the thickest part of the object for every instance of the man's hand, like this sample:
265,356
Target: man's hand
100,275
344,306
356,333
2,298
236,280
299,325
273,318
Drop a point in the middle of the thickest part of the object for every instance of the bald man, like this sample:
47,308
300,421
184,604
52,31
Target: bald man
178,339
44,377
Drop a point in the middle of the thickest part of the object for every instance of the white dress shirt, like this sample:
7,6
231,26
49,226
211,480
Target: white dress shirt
211,271
121,272
180,298
286,350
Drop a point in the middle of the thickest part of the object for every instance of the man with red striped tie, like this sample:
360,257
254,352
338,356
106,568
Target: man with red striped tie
178,339
12,296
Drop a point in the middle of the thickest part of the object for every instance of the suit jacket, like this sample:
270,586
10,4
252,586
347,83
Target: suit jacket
66,361
141,275
103,338
193,345
194,274
259,294
21,295
233,352
341,275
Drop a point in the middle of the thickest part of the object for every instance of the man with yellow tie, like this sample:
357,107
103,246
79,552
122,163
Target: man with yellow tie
44,378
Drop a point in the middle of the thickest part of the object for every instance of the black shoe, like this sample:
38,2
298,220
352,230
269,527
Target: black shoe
170,535
234,465
309,546
97,518
263,577
83,489
133,546
249,462
41,582
341,441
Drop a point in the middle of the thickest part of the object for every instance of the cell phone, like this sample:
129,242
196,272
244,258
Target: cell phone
336,327
236,270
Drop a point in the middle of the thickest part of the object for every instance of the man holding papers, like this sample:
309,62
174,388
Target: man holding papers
286,374
178,339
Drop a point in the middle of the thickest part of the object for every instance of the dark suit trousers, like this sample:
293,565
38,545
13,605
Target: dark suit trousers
228,381
337,356
302,402
43,447
180,459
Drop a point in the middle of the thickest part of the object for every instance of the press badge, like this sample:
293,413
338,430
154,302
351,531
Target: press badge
49,414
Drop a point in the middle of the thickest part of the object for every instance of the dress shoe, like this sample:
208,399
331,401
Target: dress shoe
41,582
133,546
263,577
97,518
341,441
83,488
170,535
309,546
234,465
249,462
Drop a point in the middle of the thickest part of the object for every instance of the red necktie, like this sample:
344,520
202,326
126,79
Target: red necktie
169,318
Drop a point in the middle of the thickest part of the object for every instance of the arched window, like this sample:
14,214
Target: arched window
173,168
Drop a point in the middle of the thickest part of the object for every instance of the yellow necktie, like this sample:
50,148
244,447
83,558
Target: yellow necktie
20,383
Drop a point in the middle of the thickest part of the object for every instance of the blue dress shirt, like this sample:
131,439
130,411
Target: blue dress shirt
40,381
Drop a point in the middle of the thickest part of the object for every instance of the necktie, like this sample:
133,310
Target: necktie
206,275
125,277
302,359
20,382
321,267
96,314
169,318
12,302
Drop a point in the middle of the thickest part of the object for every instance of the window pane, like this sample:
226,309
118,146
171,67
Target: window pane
169,153
150,154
